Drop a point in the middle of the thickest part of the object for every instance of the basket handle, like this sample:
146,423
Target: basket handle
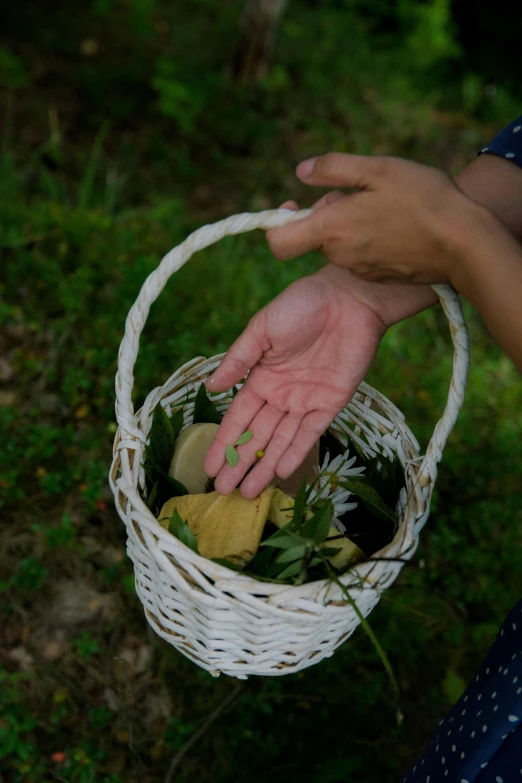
238,224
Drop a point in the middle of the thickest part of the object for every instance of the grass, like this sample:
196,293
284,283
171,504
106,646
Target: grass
88,694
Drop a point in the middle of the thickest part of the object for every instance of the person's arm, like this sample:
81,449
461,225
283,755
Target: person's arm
409,223
489,275
310,347
492,181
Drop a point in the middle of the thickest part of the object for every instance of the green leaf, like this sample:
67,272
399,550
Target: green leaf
294,553
176,487
232,456
177,421
282,542
330,551
318,526
291,570
161,443
157,473
204,409
384,475
179,528
244,438
152,496
260,563
166,487
369,496
226,563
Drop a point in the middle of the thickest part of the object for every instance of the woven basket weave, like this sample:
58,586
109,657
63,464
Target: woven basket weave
224,621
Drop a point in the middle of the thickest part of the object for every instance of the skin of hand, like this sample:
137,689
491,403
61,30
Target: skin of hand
403,223
488,180
302,375
412,222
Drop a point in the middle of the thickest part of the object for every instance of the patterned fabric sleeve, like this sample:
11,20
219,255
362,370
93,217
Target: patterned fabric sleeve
508,143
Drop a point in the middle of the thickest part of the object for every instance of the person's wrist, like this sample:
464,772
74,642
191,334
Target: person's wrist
476,235
391,303
361,290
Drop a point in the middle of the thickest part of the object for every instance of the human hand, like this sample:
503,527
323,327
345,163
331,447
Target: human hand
407,223
307,352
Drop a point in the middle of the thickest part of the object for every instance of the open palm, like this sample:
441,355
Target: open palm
307,351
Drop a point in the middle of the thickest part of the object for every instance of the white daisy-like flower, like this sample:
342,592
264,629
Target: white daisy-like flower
329,475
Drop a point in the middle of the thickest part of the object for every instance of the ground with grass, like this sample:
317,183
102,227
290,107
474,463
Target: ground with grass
122,134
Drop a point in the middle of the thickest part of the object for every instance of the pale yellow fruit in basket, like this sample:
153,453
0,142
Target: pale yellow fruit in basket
280,513
189,453
226,526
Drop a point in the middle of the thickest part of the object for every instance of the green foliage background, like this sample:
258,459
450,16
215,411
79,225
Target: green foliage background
122,133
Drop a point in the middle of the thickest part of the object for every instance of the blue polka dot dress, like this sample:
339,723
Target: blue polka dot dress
508,143
480,739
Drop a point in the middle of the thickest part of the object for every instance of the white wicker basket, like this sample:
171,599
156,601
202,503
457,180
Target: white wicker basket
225,621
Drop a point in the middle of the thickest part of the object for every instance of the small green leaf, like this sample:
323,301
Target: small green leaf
282,542
244,438
176,487
260,563
369,496
166,487
329,551
152,496
295,553
319,525
161,443
226,563
204,409
177,421
179,528
291,570
232,456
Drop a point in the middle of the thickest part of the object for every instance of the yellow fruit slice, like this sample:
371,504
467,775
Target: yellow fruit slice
280,513
189,453
225,526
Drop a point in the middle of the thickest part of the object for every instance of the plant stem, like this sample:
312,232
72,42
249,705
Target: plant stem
366,625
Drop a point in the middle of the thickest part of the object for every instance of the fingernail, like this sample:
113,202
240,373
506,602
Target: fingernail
305,168
210,380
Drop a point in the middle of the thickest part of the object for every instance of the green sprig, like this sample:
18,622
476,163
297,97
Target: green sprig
232,456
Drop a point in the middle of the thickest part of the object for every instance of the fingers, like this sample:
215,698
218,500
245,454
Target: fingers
332,170
237,420
329,198
242,355
263,426
263,473
339,170
297,238
294,239
311,428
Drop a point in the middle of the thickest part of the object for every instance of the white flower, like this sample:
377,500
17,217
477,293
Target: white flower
339,468
326,486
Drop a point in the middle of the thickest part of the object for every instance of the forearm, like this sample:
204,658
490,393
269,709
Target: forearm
490,181
489,275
